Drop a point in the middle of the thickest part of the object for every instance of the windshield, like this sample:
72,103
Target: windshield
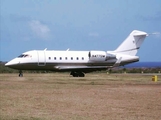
24,55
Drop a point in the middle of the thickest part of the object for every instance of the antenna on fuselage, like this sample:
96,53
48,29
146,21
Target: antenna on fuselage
68,49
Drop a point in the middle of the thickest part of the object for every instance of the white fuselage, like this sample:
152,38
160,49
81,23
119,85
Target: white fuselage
67,60
80,62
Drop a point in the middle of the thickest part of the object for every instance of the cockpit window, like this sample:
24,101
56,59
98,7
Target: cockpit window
20,56
24,56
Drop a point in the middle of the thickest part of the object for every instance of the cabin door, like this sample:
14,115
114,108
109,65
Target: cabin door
41,58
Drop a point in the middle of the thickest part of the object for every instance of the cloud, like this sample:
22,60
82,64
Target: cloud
155,34
39,29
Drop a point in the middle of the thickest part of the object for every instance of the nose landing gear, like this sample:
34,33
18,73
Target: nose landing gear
20,73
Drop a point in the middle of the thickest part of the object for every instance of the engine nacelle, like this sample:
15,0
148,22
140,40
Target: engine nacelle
100,56
110,56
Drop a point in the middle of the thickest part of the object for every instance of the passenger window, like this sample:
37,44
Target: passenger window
49,58
54,58
66,58
60,58
82,58
77,58
71,58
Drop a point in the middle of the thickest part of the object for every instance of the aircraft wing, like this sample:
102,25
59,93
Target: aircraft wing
87,68
82,68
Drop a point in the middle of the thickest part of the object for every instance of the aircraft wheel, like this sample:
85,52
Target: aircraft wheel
81,74
20,73
77,74
74,74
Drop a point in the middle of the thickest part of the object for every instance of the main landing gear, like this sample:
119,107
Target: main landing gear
20,73
77,74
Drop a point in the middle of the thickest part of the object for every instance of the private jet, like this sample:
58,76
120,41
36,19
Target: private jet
78,63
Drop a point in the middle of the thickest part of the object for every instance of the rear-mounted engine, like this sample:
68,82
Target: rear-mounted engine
100,56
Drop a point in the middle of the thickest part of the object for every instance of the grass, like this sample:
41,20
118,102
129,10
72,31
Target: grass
96,96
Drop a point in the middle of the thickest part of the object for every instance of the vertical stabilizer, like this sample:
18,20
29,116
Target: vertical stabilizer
132,43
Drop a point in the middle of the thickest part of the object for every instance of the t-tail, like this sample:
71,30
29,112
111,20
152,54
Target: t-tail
132,43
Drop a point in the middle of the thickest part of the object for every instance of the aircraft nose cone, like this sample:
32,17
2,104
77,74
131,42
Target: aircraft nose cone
11,63
7,64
